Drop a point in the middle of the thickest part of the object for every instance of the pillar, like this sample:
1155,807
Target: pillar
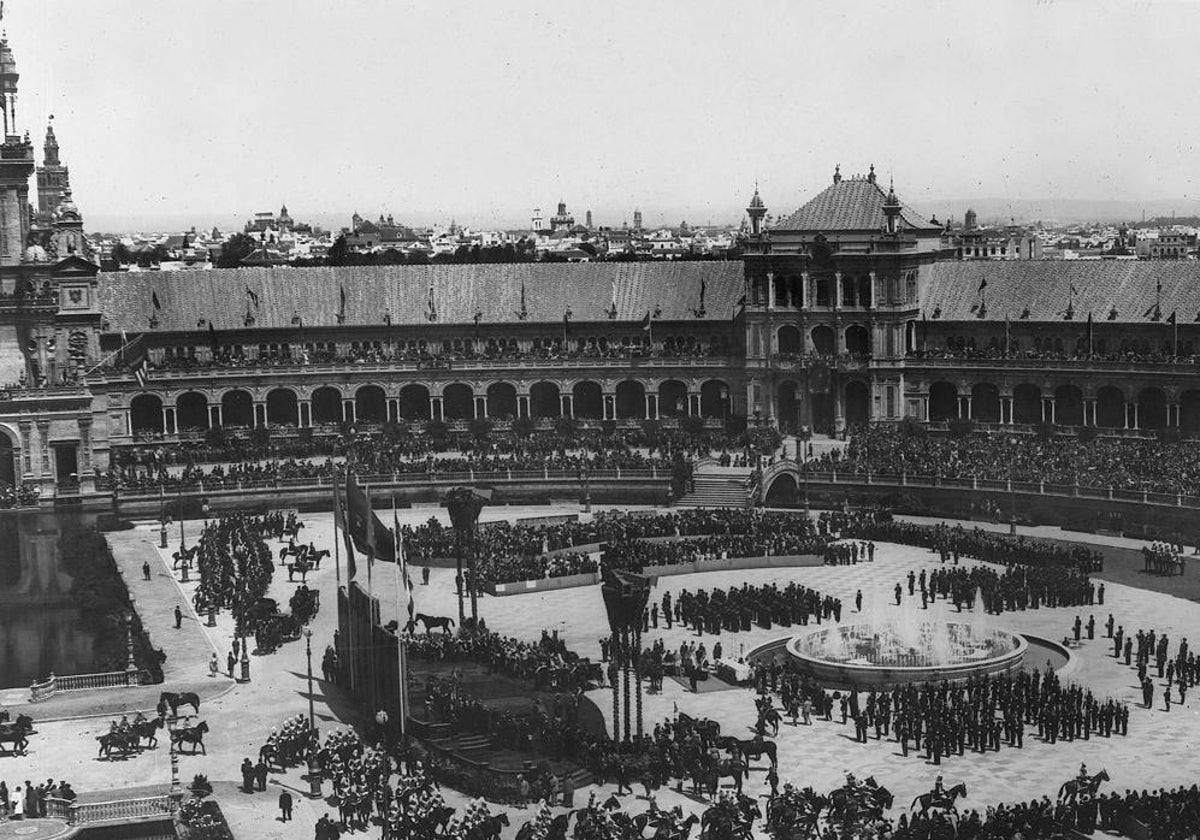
84,459
837,290
25,429
1006,410
1173,415
435,408
44,446
214,415
168,420
610,405
1137,415
348,411
305,413
522,405
1047,409
651,406
393,409
568,404
693,402
480,407
1125,413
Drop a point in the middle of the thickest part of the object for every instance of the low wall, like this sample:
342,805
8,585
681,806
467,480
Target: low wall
732,563
546,584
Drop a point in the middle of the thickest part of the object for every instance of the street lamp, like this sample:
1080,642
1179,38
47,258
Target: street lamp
308,655
176,792
162,516
1012,491
245,663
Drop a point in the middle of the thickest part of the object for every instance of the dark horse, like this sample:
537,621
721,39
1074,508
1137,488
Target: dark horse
434,621
488,828
945,800
193,735
122,742
177,699
148,729
15,734
1072,790
756,748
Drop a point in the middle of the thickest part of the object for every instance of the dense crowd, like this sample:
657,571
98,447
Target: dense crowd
1121,464
18,496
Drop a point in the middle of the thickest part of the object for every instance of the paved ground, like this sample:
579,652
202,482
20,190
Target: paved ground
1156,753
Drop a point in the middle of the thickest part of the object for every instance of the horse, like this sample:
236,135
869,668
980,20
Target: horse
431,621
944,800
181,698
1072,790
314,557
291,551
147,729
15,734
184,554
122,742
704,727
757,747
489,827
193,735
768,717
735,768
24,722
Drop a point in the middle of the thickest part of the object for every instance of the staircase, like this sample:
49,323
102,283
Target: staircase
717,490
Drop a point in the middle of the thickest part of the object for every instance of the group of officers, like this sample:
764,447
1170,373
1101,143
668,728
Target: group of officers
739,608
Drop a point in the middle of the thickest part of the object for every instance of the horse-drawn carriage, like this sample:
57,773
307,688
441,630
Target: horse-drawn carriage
14,734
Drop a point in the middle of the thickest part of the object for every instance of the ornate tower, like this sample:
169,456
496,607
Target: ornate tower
756,211
891,211
53,178
68,238
16,165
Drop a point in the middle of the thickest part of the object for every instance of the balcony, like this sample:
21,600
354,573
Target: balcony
1184,364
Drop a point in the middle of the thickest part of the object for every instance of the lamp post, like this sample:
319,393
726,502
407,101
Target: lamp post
176,792
464,505
162,517
312,724
130,660
245,663
1012,492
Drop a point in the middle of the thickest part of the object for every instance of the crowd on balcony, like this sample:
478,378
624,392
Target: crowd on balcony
444,353
1151,465
1130,351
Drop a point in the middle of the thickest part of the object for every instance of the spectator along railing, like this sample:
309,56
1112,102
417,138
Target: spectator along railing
392,480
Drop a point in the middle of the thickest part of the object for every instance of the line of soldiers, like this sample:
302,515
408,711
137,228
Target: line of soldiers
1162,558
740,608
1016,588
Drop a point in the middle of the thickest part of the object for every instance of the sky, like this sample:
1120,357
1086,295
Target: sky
210,110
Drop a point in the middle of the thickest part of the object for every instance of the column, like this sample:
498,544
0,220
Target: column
1006,410
260,413
44,446
610,406
169,421
1125,414
837,290
305,413
435,408
480,407
568,404
874,292
393,409
522,405
26,446
969,413
1137,415
804,291
651,407
750,406
166,421
85,447
214,414
348,411
1173,415
693,401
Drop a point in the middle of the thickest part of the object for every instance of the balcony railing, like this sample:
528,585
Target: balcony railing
390,480
44,690
1182,364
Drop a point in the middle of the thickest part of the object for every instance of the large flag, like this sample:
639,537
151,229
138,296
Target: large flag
364,525
406,584
646,321
339,519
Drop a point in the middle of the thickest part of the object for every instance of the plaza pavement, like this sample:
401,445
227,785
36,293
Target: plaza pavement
1156,753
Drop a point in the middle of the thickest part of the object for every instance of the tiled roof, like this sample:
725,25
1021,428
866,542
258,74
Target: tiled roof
850,204
1045,287
459,291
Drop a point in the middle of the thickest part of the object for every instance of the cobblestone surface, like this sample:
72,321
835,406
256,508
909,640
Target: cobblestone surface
1157,752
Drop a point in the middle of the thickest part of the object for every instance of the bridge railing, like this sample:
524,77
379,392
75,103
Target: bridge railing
44,690
115,810
1145,497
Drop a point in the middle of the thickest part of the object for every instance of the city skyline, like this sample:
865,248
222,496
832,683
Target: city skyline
331,115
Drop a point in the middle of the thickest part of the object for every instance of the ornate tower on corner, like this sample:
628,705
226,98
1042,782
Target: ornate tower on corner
53,179
16,165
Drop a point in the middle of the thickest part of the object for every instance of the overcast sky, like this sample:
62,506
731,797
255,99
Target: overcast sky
212,109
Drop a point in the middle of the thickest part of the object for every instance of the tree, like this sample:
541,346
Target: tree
338,251
235,249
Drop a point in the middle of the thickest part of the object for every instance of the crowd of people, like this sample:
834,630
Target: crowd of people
31,801
739,608
1121,464
21,495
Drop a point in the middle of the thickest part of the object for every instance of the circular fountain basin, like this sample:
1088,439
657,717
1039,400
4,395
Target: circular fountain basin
864,657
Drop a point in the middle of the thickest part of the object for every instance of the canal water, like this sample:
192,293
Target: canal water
43,626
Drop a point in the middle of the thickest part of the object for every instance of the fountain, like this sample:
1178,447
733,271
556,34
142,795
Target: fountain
904,645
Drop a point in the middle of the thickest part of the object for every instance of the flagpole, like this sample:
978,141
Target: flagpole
401,654
337,552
